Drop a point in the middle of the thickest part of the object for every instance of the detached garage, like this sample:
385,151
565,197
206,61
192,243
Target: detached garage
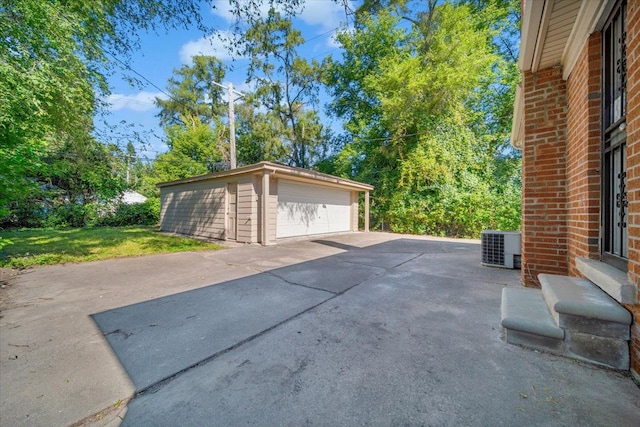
261,203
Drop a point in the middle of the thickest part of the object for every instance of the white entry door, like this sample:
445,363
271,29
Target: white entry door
305,209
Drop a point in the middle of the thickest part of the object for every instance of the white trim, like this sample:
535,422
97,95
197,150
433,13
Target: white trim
531,17
542,34
517,121
264,208
585,24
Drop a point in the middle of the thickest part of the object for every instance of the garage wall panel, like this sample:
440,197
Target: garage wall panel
196,209
247,210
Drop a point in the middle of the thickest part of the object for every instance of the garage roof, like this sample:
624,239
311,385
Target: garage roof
277,170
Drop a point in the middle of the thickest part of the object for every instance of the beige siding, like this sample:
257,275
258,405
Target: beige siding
196,209
247,210
199,206
354,211
272,216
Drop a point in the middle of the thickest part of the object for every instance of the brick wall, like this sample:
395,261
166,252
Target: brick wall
633,137
544,167
561,167
584,154
633,168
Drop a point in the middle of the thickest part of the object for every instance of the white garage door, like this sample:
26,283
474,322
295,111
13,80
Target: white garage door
306,209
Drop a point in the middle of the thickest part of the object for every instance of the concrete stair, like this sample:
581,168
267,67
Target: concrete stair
571,317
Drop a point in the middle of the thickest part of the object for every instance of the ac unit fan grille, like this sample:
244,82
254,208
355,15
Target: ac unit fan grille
493,249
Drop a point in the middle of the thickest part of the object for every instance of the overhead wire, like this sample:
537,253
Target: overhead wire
152,84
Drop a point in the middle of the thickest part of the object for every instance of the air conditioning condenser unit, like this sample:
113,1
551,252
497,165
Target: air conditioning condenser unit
501,249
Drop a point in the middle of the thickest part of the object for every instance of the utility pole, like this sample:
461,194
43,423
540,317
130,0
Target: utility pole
232,125
232,129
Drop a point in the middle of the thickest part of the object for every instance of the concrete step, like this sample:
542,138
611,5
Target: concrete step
577,304
528,322
596,328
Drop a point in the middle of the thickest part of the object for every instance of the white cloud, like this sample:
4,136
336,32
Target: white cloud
142,101
212,45
327,14
324,13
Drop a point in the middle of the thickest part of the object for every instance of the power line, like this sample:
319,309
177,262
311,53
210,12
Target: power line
138,74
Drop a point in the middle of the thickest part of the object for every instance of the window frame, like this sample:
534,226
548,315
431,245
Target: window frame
614,231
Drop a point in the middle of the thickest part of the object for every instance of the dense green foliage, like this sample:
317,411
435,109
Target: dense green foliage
55,57
145,213
287,87
419,106
37,213
423,89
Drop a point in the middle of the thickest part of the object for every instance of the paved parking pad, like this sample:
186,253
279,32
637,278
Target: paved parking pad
390,352
353,329
467,266
157,339
378,259
332,274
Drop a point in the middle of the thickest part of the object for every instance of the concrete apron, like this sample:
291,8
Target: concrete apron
342,330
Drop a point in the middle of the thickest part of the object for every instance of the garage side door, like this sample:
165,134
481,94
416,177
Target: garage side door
305,209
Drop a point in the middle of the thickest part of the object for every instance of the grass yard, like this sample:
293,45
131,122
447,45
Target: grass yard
48,246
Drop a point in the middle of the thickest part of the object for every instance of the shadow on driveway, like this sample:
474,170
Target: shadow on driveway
404,332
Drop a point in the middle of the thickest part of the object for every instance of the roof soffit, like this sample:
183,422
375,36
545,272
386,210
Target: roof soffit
554,31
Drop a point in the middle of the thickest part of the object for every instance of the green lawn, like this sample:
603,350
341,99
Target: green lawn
48,246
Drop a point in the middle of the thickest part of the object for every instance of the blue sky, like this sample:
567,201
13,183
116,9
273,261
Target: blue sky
161,54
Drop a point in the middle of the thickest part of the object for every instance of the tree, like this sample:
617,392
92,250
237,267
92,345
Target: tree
286,85
193,93
257,140
193,150
417,105
82,171
196,136
54,59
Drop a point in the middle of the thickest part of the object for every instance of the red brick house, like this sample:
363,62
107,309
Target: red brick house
577,122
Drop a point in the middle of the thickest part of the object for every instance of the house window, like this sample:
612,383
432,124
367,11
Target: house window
614,180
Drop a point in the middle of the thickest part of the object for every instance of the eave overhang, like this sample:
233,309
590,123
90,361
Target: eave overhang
553,33
277,170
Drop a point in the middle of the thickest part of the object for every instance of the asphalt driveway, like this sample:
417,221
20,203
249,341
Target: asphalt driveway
354,329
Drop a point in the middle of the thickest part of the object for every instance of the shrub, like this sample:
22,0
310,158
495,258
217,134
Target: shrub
65,215
147,213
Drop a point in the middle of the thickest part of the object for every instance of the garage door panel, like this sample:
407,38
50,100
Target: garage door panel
306,209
